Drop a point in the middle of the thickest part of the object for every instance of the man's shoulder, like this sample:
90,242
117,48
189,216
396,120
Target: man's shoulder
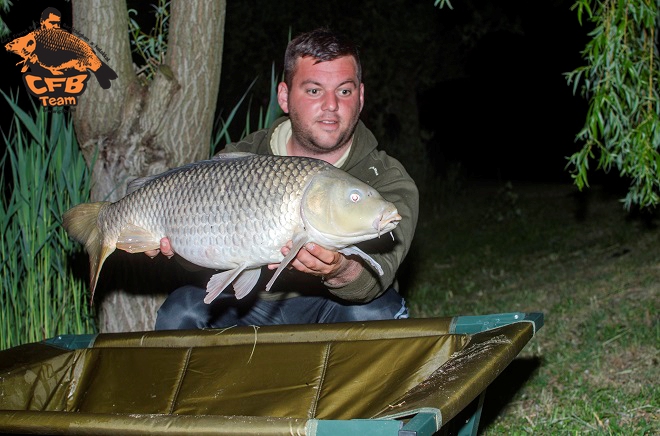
256,142
377,164
368,154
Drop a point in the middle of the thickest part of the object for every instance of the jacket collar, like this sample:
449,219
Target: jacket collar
364,143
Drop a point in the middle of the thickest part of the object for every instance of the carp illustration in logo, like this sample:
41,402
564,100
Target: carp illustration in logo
57,50
52,51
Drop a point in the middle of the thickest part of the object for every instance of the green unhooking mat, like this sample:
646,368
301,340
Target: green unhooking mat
378,377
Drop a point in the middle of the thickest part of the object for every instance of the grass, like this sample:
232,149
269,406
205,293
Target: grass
40,296
590,267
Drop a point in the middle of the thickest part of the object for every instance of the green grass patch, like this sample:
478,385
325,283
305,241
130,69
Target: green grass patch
590,267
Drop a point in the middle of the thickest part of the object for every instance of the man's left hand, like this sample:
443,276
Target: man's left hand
335,268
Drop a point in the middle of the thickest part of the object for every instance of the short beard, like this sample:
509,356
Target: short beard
305,138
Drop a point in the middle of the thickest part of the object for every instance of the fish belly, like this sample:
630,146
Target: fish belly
223,246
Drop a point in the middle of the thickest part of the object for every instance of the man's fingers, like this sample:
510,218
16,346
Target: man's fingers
311,259
166,248
317,260
326,256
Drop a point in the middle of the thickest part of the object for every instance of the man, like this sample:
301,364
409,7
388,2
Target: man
323,95
50,18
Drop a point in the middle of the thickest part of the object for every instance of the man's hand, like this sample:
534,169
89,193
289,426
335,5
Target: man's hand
335,268
165,248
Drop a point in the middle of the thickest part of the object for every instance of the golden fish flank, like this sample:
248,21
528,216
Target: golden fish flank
234,213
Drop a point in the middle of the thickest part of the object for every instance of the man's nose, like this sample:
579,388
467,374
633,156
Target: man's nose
330,102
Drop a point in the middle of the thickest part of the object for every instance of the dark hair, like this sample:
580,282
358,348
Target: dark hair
46,13
323,45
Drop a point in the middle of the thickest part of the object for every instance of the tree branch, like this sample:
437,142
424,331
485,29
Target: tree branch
104,23
195,59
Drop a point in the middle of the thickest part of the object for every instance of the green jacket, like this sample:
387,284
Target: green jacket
391,180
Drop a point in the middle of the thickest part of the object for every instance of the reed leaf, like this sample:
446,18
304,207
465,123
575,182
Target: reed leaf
42,295
221,128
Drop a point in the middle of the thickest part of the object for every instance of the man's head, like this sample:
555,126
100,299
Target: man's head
50,18
322,45
322,92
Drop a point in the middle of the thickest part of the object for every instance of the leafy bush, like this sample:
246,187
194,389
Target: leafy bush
620,80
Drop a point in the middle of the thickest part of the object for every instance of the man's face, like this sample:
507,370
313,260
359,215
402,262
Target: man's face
324,103
53,22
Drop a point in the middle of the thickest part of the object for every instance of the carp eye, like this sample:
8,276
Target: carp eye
355,197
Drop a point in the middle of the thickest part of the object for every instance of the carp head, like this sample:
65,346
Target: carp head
339,210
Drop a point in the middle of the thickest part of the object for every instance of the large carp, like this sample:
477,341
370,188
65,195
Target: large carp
235,212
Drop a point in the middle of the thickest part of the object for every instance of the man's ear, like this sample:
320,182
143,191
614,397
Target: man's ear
361,96
283,96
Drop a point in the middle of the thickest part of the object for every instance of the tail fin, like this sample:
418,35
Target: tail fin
104,75
81,222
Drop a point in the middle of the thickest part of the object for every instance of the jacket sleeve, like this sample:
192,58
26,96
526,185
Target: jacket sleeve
395,185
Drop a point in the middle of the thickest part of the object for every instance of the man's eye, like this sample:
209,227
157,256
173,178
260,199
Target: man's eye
313,91
345,92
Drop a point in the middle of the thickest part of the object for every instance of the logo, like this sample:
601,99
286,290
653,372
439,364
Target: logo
59,62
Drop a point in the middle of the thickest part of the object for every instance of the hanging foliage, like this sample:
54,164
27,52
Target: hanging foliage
620,81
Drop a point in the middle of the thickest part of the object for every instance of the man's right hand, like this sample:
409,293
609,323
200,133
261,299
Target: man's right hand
165,248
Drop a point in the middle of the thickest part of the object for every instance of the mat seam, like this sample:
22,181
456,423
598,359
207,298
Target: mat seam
181,377
314,408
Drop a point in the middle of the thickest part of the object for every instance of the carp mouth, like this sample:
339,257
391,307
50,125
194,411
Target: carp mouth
387,221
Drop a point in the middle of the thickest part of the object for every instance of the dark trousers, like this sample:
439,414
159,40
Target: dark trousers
185,309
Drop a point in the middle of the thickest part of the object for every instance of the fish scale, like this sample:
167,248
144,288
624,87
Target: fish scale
235,213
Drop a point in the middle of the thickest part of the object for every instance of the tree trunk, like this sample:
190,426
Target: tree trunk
131,130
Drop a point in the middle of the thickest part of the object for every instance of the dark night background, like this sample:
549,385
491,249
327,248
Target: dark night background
477,91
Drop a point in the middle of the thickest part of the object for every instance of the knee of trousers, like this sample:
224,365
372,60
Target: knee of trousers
183,308
184,297
390,305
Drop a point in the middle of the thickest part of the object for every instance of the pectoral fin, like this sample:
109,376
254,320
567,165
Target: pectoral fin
370,260
135,239
299,240
220,281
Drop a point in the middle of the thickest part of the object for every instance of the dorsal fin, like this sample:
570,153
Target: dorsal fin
232,155
141,181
